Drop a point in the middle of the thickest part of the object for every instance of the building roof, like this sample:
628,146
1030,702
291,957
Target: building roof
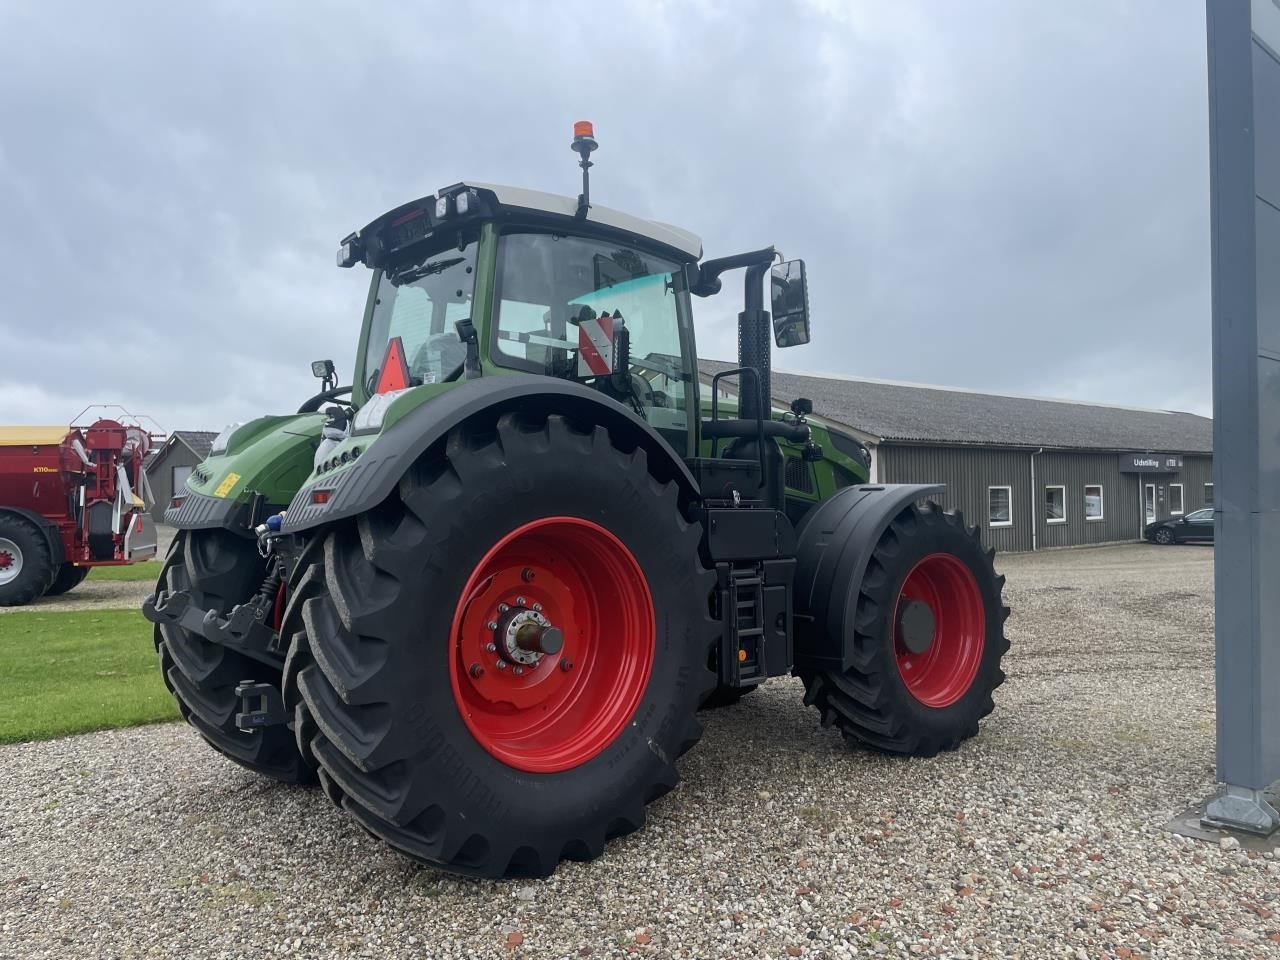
197,441
891,411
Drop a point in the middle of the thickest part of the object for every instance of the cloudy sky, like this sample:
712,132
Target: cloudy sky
1009,196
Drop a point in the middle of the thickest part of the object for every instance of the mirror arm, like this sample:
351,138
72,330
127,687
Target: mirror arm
704,279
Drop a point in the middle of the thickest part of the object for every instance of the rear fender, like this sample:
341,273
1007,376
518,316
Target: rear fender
836,541
370,480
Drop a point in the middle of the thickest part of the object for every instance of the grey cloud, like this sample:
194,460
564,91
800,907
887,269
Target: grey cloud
998,196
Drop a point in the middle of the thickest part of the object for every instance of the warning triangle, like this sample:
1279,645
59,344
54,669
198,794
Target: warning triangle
394,374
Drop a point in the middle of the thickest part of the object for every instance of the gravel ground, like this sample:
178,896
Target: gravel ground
1042,838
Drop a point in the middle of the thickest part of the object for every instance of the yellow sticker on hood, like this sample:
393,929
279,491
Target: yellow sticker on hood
229,481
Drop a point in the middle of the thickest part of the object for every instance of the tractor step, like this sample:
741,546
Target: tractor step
260,706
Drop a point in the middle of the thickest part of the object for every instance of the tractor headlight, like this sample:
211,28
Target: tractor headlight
462,203
220,442
369,417
442,207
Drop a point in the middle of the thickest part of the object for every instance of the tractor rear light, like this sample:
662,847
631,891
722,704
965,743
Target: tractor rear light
320,497
176,502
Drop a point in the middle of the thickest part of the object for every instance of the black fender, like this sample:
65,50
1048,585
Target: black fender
371,479
836,540
45,526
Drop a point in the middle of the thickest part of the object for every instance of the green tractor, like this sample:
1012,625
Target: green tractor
484,591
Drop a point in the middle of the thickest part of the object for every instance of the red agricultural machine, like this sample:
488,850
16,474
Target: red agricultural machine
71,498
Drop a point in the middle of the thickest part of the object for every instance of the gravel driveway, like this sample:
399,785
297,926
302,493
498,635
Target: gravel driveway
1040,839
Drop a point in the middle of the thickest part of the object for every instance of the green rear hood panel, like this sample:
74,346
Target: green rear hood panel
270,455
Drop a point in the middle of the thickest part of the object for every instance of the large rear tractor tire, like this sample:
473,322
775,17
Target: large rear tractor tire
68,577
220,570
26,563
926,641
497,668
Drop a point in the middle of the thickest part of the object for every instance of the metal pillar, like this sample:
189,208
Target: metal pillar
1244,129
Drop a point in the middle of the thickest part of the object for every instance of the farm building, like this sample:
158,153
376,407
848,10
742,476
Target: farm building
168,468
1031,472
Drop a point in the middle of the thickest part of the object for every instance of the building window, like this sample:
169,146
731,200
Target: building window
180,475
1175,500
1000,506
1055,504
1208,494
1093,506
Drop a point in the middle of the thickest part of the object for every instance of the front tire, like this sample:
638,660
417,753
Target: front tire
1163,536
927,640
401,620
220,569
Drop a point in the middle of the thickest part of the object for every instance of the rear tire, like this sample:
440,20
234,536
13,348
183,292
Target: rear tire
26,562
69,577
492,773
220,570
930,586
1163,536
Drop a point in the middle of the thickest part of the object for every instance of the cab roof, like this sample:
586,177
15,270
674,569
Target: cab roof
555,203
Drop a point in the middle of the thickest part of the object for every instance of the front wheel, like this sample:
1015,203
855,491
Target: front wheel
925,640
497,668
1163,536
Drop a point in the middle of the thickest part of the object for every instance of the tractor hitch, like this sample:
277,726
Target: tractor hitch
260,706
245,631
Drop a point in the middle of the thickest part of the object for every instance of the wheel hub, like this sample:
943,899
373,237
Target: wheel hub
10,560
553,643
916,626
939,630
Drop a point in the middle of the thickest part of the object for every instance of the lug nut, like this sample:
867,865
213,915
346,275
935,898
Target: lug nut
526,574
491,647
537,608
503,608
517,670
492,624
566,664
519,601
477,671
502,664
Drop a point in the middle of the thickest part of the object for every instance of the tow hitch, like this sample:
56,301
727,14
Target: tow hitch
247,630
260,706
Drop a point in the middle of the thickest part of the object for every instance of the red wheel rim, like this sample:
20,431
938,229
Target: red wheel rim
552,711
941,674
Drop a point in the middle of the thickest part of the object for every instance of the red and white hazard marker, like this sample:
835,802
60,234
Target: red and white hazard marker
595,346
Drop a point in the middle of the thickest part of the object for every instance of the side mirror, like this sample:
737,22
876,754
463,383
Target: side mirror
790,303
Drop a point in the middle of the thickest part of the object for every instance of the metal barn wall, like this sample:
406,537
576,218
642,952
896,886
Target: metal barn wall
1121,499
969,471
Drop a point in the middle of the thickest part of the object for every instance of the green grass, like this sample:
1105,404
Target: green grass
147,570
63,673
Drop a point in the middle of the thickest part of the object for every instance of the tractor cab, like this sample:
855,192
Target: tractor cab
482,280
